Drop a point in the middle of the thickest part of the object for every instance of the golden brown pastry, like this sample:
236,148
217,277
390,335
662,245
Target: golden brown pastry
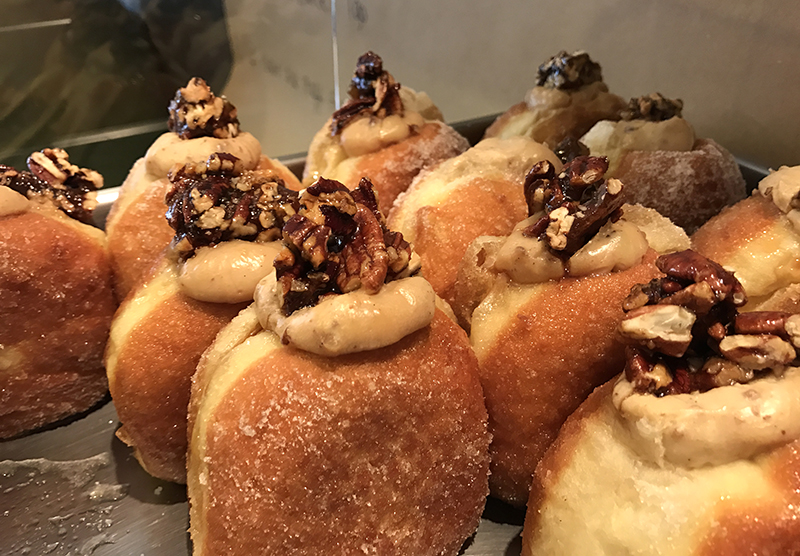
543,302
664,166
226,221
476,193
568,99
343,408
758,239
56,301
200,124
694,449
386,132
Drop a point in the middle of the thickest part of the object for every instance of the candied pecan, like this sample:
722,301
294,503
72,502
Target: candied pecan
568,71
688,266
653,107
51,176
216,200
197,112
664,328
577,202
762,322
337,243
570,148
757,351
373,91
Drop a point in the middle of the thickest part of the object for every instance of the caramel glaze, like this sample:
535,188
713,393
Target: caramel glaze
152,380
444,232
55,311
531,387
393,168
385,449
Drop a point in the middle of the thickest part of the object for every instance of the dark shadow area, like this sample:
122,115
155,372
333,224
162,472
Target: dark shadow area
500,512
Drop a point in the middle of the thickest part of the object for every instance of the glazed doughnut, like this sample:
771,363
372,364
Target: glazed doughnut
56,300
757,238
369,436
543,304
476,193
385,132
694,450
200,124
655,152
203,280
568,99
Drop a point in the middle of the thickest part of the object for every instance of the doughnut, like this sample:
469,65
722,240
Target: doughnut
694,448
368,436
542,305
386,132
56,298
476,193
568,99
226,221
655,152
200,124
757,238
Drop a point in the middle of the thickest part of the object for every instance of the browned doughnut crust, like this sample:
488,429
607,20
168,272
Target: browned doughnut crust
502,120
482,207
762,528
139,233
393,168
556,350
735,227
383,451
56,305
152,378
686,187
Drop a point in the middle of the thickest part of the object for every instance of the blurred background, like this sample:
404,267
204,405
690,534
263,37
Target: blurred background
96,76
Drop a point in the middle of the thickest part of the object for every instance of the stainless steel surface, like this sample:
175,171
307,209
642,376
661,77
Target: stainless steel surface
100,502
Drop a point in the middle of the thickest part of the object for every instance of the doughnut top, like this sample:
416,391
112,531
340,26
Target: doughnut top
337,243
372,90
52,178
217,200
197,112
568,71
652,108
685,333
576,202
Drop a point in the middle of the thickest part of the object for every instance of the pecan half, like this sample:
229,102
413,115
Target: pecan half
663,328
653,107
373,91
197,112
52,177
688,266
568,71
216,200
758,351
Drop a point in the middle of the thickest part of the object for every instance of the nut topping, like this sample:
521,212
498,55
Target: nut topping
197,112
216,200
688,323
577,202
337,243
653,107
568,71
52,177
373,91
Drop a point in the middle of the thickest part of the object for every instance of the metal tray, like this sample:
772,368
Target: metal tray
73,489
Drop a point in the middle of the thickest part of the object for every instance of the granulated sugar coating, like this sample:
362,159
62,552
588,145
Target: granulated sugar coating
380,452
686,187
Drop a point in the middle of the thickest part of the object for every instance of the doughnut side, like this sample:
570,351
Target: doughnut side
56,305
755,240
626,505
686,187
542,349
157,338
378,452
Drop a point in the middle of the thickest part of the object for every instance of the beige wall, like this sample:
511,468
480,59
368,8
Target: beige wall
733,63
